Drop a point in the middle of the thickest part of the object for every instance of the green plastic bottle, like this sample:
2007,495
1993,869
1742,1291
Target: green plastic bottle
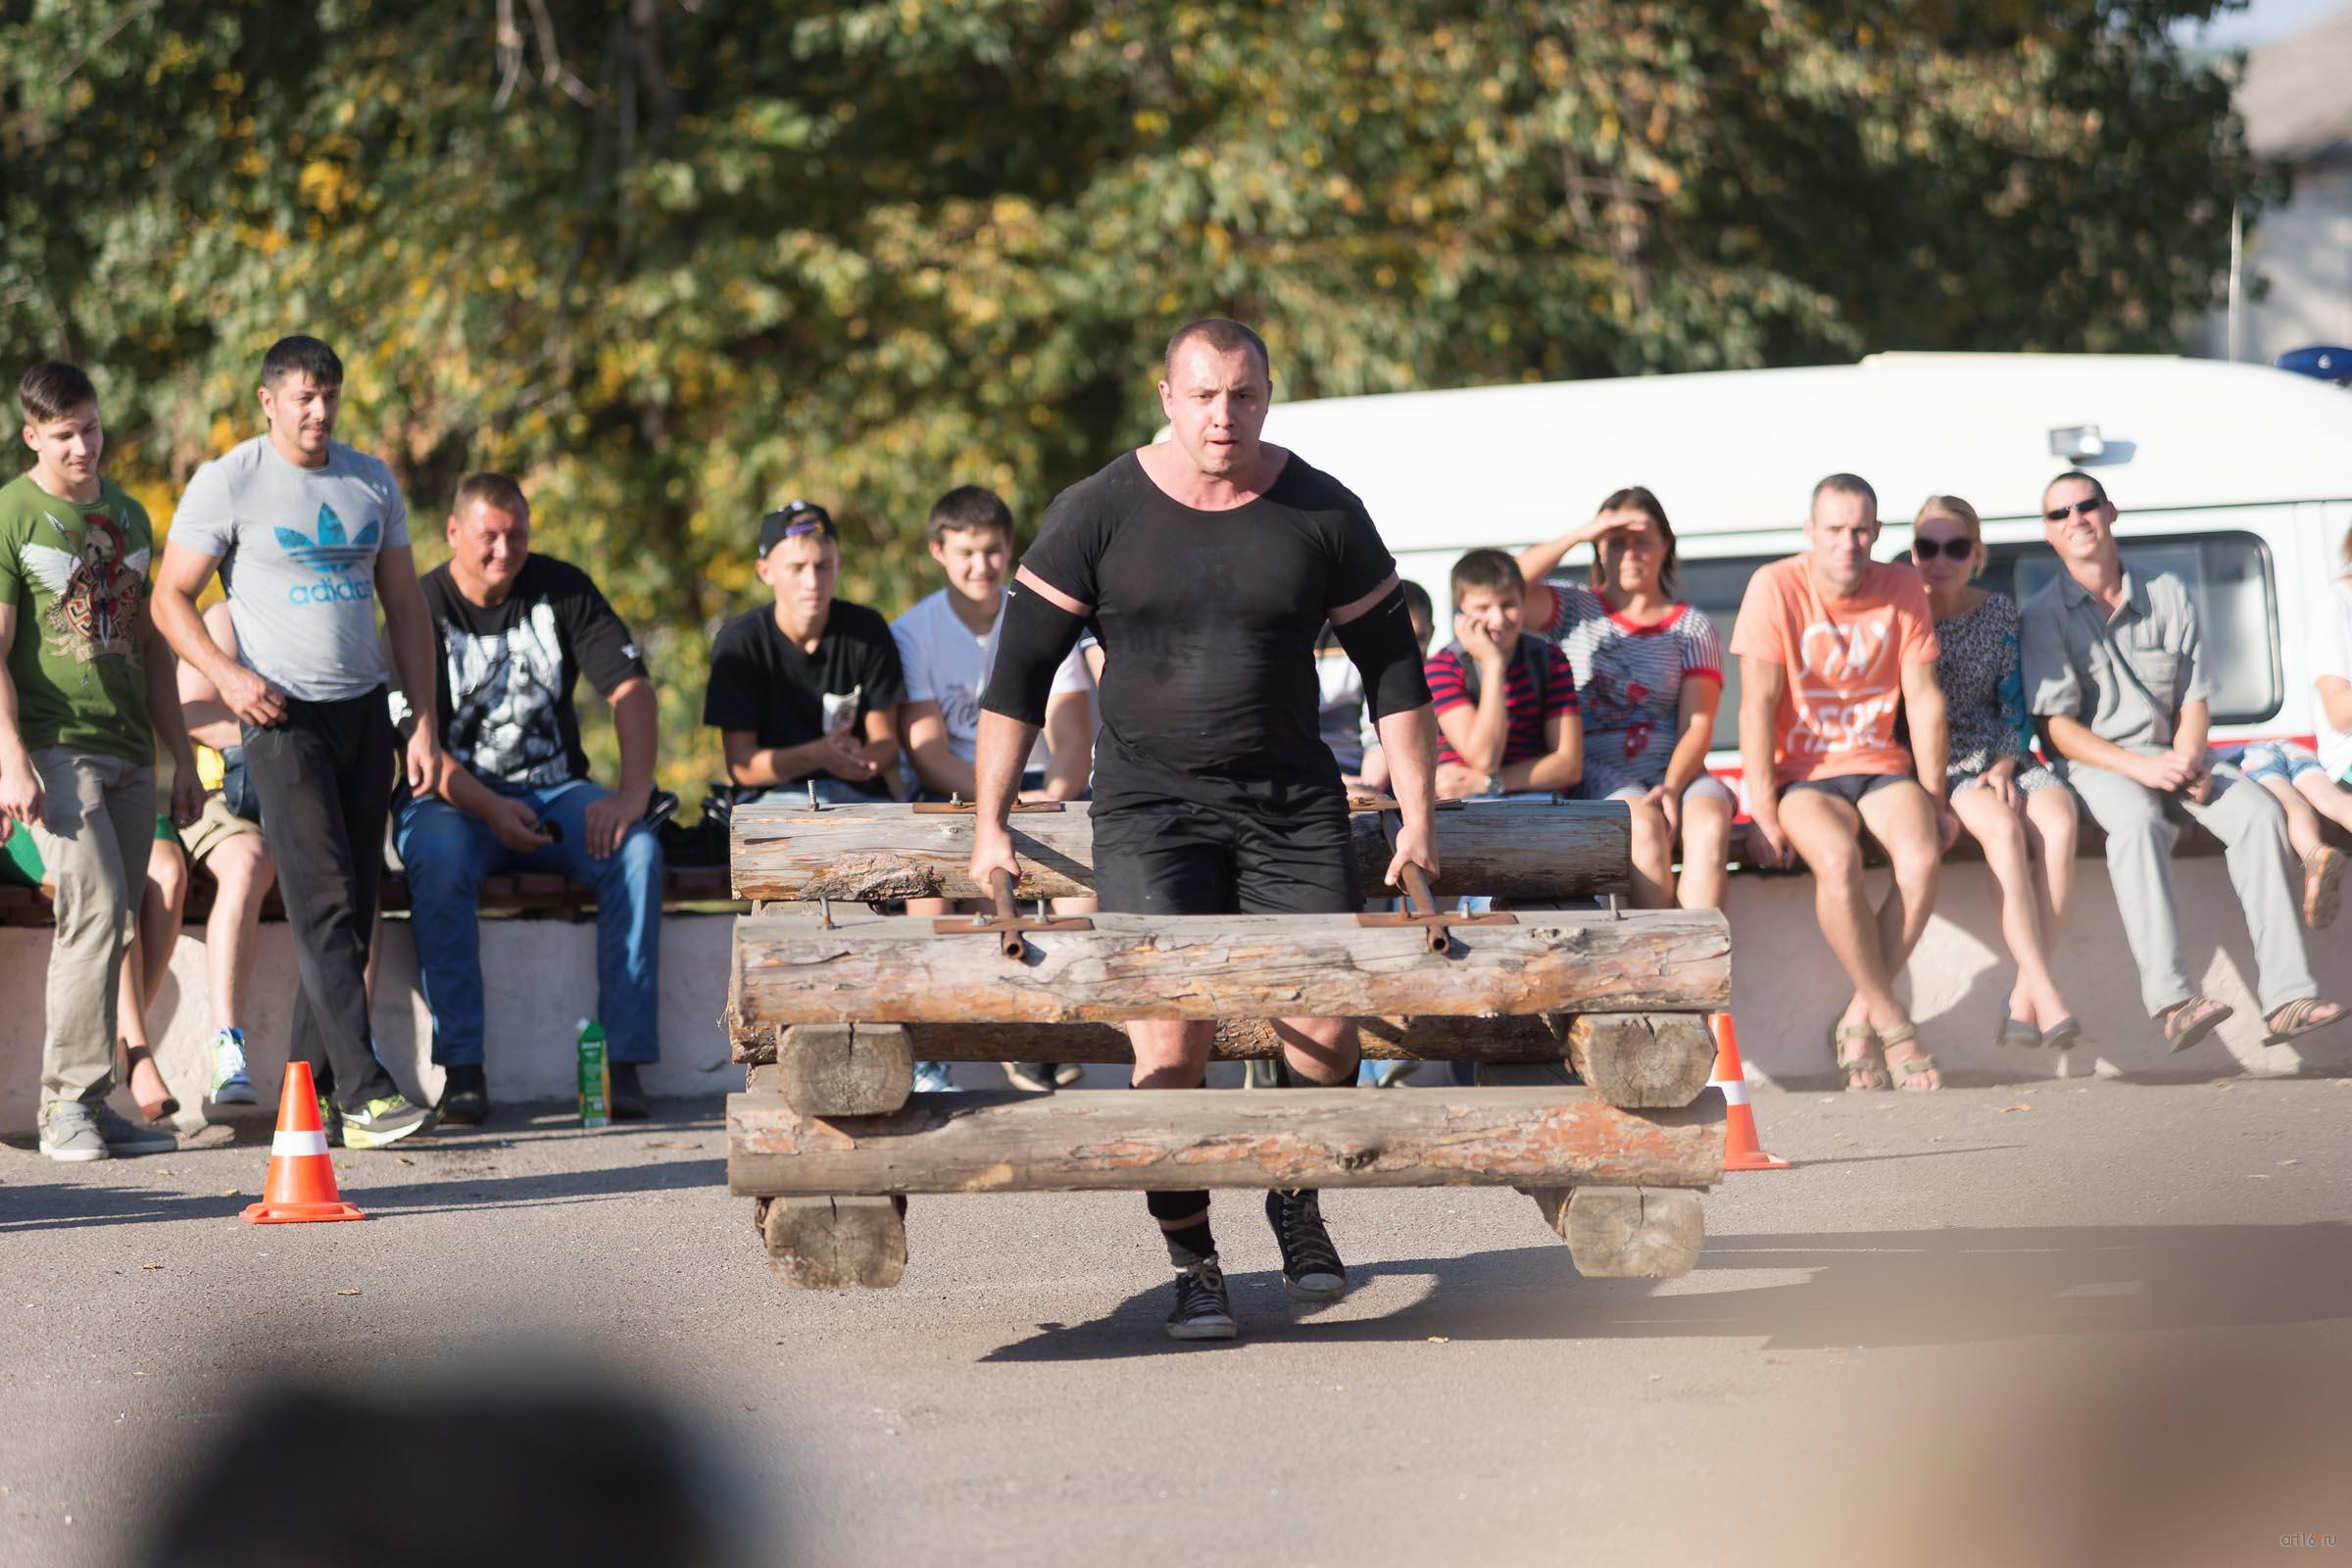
596,1078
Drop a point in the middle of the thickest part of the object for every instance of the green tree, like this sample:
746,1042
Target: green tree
676,263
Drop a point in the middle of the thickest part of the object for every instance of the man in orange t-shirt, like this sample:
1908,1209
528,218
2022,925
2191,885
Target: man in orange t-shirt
1833,647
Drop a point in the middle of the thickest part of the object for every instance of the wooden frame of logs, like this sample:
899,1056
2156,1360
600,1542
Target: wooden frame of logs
830,1005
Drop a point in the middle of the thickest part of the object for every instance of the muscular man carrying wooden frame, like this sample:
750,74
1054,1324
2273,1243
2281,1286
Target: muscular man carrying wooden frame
1208,565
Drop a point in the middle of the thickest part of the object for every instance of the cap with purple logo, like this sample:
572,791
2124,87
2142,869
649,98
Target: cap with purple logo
794,519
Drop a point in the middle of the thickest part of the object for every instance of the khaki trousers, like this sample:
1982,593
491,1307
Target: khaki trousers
97,829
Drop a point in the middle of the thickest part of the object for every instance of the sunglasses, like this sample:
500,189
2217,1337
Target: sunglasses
2081,509
1930,549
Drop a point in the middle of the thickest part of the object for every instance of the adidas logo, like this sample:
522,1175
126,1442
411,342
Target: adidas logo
333,550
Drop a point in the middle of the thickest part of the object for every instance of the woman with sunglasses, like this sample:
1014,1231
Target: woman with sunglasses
2017,809
1649,674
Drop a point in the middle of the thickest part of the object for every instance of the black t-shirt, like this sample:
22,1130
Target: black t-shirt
505,673
761,682
1208,621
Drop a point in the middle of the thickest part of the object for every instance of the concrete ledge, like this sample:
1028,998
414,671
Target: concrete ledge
1784,986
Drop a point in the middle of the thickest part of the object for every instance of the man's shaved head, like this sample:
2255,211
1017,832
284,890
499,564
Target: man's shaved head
1225,336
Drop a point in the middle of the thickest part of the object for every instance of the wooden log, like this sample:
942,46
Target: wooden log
1129,1139
827,1243
846,1069
899,970
1642,1061
859,854
1626,1233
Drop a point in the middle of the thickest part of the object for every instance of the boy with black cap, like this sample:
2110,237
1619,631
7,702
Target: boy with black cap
805,692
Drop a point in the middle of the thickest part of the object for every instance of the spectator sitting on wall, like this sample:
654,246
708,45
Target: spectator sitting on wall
2116,673
513,631
1831,647
947,645
1505,700
805,692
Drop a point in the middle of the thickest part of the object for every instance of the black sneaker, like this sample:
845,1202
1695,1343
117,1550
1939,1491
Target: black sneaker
1201,1310
628,1102
464,1096
1312,1270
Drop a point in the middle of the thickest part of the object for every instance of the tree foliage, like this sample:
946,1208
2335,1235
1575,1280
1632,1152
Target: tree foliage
675,262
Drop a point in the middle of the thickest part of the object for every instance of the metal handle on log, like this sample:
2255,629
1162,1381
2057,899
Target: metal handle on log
1416,891
999,888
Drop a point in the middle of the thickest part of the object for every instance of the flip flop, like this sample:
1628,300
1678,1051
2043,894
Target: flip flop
2187,1022
2062,1034
2296,1018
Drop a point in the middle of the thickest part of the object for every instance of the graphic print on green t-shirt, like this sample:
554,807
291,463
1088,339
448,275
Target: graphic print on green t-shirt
76,573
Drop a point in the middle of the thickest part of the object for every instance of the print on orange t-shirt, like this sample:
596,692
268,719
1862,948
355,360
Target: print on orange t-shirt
1845,659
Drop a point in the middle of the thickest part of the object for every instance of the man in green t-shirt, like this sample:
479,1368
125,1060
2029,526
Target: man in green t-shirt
86,687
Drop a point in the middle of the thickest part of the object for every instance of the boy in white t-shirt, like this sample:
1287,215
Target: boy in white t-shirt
948,644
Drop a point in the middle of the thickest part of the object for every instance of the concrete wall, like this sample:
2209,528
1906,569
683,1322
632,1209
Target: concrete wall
1786,988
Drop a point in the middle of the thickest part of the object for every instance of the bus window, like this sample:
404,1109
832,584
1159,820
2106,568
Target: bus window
2228,576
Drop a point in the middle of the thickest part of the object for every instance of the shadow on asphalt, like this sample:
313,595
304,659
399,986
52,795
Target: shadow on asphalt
1862,1288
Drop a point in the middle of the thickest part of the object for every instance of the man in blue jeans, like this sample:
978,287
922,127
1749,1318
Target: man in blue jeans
513,631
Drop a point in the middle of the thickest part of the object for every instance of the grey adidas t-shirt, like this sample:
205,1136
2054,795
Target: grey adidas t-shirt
297,549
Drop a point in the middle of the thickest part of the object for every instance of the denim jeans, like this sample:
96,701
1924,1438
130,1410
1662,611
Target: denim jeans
449,851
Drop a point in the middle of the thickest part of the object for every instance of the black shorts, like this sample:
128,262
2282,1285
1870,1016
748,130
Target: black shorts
1847,787
1167,856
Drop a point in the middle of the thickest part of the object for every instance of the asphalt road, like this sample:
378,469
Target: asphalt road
2072,1324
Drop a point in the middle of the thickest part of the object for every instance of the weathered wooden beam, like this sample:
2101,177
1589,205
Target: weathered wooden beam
1626,1233
1641,1061
844,1069
858,854
827,1243
1128,1139
893,969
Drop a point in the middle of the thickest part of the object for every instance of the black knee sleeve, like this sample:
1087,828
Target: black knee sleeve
1175,1205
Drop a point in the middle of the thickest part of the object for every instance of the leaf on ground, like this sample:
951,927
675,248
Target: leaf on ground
2020,1105
2258,1175
2282,1164
347,1293
1439,1339
151,1265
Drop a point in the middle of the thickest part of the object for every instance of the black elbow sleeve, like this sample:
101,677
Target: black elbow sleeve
1387,656
1036,637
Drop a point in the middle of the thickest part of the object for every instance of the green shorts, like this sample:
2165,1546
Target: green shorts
21,858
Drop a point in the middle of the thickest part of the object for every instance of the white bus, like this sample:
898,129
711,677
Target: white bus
2236,479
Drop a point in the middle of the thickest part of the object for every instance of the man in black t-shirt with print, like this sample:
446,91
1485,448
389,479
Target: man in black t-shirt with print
805,691
512,633
1208,564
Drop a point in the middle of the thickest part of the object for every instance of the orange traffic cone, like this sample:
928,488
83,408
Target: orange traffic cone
302,1179
1741,1149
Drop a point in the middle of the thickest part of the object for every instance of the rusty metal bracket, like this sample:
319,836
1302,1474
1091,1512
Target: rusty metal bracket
1381,802
1429,917
1009,922
959,807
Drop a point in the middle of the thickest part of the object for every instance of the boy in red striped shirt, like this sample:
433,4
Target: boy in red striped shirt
1505,700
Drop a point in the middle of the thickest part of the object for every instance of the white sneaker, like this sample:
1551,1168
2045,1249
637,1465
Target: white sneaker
231,1084
931,1078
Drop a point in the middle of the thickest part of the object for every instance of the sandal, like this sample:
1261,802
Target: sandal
2323,885
1863,1062
2187,1022
1914,1065
2300,1017
132,1059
